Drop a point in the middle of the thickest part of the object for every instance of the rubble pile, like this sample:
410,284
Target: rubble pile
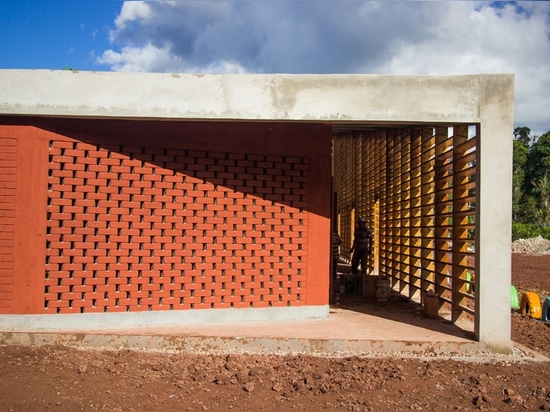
537,245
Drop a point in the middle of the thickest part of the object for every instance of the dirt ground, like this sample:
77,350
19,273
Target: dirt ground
61,379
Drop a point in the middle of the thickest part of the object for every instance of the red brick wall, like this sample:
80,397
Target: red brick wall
142,216
8,148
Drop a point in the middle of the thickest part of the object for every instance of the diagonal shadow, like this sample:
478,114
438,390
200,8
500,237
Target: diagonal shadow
398,308
296,147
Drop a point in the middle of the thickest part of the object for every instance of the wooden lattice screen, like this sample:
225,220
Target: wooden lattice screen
418,187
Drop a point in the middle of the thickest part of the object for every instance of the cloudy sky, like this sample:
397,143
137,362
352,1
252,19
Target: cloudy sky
289,36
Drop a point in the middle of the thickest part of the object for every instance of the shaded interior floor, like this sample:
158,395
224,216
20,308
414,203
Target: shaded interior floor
358,293
398,319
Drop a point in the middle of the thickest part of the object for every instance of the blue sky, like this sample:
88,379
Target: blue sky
289,36
49,34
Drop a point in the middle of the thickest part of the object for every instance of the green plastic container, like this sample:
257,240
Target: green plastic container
514,298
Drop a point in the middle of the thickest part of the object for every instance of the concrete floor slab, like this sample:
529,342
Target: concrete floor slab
355,327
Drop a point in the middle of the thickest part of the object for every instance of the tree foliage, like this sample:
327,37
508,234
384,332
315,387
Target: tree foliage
531,184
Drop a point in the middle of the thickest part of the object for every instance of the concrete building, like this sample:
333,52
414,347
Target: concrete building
170,198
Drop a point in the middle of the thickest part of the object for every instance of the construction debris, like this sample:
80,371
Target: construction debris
537,245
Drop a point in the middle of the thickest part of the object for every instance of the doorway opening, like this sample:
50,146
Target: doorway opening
416,187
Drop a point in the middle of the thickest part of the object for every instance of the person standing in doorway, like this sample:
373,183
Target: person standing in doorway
361,248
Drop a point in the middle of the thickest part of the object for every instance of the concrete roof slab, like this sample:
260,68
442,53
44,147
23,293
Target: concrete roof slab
269,97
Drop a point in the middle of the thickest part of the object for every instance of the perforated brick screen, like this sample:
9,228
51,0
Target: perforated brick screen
147,228
8,155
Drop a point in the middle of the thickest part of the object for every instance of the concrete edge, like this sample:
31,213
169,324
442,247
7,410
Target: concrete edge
91,321
221,345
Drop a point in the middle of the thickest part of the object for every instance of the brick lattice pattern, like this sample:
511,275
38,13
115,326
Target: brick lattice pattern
134,229
8,154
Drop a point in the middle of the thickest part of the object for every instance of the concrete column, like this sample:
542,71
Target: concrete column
494,213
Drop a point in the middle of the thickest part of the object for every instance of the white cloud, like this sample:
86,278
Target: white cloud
345,36
154,59
147,58
132,11
484,40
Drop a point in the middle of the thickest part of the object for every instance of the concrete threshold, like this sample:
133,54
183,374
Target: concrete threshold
378,329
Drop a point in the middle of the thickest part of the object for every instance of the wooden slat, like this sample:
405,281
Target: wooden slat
425,182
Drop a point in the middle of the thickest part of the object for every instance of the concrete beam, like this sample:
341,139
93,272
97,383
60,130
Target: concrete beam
358,98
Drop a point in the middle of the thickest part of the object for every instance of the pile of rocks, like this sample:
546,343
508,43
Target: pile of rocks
537,245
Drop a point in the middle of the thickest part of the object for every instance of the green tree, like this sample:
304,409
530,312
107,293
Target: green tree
538,162
521,151
523,135
542,192
531,183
